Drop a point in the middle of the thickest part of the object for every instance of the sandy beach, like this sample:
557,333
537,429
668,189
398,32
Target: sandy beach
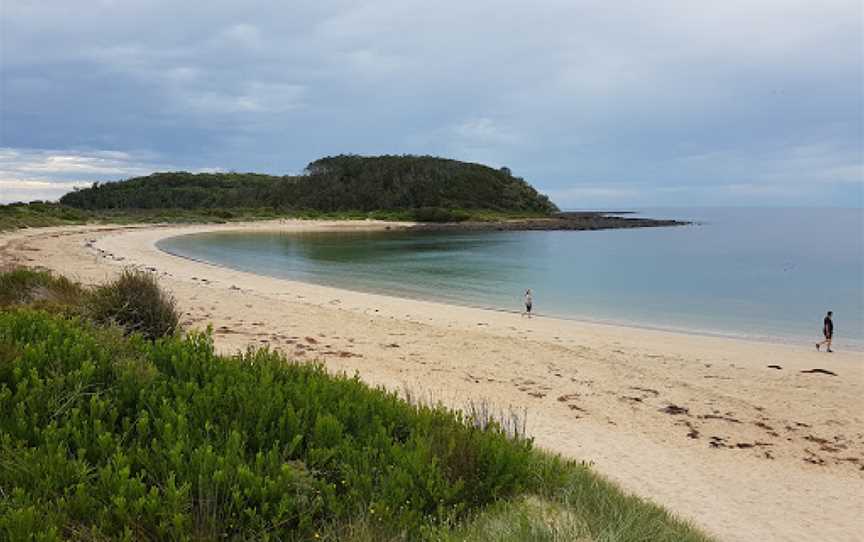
740,437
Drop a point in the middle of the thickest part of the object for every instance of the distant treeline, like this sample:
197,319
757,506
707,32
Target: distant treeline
336,183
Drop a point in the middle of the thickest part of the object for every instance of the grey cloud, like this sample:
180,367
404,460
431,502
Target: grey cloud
568,94
12,190
31,174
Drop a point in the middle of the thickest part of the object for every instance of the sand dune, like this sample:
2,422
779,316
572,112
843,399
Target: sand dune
737,436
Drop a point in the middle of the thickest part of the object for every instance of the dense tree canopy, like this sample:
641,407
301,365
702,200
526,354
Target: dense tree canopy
337,183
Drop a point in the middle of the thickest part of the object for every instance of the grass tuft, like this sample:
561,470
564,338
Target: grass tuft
135,302
40,288
523,519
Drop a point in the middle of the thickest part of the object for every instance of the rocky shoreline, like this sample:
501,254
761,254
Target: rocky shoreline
575,221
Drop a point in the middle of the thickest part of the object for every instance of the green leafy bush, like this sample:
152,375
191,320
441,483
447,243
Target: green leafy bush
112,437
105,435
135,302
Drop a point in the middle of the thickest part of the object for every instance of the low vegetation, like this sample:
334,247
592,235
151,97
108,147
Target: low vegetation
41,214
39,289
133,301
107,435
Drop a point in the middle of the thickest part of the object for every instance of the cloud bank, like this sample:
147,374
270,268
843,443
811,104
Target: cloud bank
599,104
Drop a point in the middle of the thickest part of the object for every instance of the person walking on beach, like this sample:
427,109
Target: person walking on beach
827,331
529,302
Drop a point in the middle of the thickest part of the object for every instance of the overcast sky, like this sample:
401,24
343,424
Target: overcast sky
597,103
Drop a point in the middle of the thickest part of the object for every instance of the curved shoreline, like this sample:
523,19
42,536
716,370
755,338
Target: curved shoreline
440,304
848,344
594,392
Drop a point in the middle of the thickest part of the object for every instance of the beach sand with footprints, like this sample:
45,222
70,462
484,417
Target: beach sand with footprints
750,440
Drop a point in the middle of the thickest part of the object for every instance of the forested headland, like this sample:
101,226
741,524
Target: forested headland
331,184
425,189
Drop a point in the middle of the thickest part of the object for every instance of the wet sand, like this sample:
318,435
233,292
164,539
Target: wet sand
743,438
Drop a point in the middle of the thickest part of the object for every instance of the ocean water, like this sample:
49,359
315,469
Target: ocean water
768,274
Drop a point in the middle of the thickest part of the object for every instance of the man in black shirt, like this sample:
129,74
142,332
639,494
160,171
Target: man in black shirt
828,331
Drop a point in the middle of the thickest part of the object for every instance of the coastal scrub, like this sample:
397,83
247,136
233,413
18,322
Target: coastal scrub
112,433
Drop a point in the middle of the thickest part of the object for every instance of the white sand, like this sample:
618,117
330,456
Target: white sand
789,447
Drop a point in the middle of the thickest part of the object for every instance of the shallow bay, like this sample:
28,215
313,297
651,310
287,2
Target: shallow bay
755,273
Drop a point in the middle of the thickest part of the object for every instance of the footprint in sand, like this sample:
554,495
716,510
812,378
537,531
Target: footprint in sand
813,458
693,430
726,418
649,391
675,410
568,397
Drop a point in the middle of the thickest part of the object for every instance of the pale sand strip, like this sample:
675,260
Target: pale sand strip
593,392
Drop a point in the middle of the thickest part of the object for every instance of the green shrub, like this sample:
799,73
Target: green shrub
135,302
113,437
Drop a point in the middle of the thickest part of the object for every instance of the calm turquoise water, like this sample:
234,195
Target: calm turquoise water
759,273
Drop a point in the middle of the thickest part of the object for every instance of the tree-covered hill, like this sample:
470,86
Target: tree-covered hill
336,183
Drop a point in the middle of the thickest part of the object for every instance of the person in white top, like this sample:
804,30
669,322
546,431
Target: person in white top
529,302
